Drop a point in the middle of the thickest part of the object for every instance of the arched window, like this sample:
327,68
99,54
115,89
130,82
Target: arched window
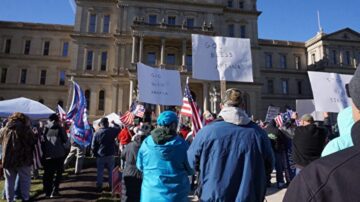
101,100
87,97
41,101
61,103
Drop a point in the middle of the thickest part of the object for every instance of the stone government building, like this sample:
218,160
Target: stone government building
110,36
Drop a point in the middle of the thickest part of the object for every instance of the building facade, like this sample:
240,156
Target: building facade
110,36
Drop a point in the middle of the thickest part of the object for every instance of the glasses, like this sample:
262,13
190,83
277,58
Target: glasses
347,90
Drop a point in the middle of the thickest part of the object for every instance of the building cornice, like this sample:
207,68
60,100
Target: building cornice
281,43
41,58
36,26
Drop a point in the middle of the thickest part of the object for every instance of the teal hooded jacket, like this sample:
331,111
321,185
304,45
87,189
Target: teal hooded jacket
345,123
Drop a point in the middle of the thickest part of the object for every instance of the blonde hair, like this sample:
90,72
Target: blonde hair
17,116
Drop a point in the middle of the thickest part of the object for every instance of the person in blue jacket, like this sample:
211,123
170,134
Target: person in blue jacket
232,155
345,123
162,160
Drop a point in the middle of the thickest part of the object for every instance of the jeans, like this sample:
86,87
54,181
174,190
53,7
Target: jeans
80,154
24,180
102,162
52,167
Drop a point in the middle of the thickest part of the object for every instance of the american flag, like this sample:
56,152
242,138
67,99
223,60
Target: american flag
139,110
190,109
62,113
279,120
128,118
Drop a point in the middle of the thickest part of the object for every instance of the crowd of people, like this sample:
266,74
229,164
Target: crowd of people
230,159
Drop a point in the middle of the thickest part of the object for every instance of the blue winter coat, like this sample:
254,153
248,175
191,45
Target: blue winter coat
165,170
232,160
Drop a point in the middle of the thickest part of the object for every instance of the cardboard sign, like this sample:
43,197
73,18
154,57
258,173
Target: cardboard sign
308,107
221,58
159,86
272,112
329,91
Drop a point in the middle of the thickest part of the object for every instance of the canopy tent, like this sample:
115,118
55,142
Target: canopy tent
33,109
111,117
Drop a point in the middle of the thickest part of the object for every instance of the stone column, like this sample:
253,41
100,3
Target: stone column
206,95
133,49
141,48
162,56
183,64
131,89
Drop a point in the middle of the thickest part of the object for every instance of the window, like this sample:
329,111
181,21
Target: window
313,58
106,24
27,47
23,76
61,103
190,22
284,87
41,101
231,30
297,62
62,78
103,61
270,86
170,59
65,50
230,3
152,19
283,64
87,98
171,20
333,57
268,60
243,31
42,77
347,58
3,75
89,60
151,58
7,45
241,4
299,87
92,23
188,63
46,48
101,100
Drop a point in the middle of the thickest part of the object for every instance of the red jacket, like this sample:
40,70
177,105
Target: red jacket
124,137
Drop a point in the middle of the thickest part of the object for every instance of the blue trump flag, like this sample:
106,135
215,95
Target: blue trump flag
80,130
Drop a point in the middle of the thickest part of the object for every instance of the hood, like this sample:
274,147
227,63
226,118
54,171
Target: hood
167,151
345,121
162,135
234,115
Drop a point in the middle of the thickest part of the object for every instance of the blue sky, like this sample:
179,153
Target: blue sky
280,19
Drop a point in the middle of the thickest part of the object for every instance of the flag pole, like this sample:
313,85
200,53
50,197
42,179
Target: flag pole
69,93
222,89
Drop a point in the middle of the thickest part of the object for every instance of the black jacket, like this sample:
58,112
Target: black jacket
54,139
129,155
103,143
332,178
308,143
278,142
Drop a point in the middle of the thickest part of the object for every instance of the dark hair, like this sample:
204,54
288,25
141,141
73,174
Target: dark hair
54,117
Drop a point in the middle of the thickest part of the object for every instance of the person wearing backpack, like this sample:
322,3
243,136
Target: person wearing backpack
54,153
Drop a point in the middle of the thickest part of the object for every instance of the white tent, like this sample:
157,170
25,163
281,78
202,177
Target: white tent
31,108
111,117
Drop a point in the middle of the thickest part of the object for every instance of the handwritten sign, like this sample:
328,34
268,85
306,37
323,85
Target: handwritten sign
329,91
272,112
159,86
308,107
221,58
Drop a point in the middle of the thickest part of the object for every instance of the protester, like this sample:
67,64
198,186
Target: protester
335,177
163,161
208,117
18,142
308,143
54,154
103,147
232,155
345,123
278,143
132,176
77,151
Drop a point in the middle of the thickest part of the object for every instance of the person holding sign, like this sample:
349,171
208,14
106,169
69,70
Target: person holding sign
335,177
232,155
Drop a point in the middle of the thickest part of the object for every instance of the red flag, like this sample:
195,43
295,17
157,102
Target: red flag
127,118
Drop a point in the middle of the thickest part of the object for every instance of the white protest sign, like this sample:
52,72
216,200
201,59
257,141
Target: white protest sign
272,112
308,107
221,58
329,91
159,86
